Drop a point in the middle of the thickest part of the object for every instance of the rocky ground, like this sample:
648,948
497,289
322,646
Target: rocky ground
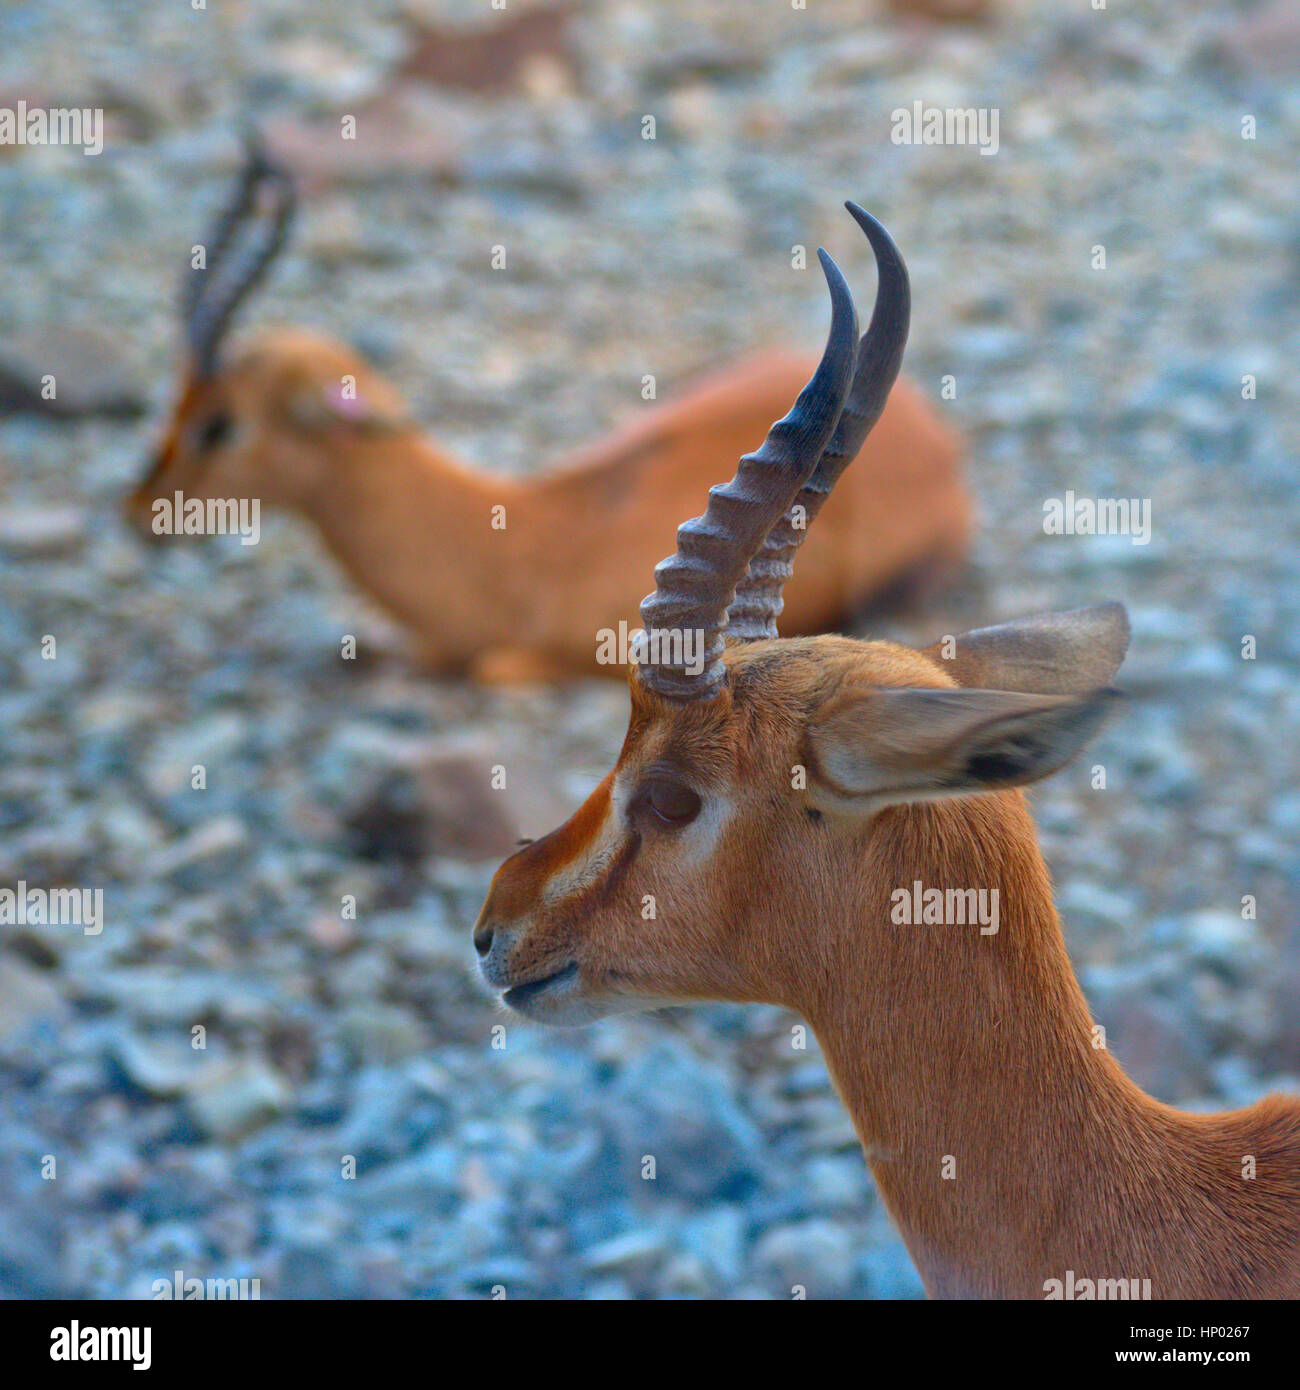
520,1167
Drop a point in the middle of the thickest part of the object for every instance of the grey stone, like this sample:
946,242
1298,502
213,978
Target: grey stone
36,533
28,999
629,1254
681,1113
89,371
161,1066
235,1097
817,1256
377,1033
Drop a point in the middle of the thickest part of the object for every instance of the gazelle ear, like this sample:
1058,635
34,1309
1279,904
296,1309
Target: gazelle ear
347,402
1053,654
892,746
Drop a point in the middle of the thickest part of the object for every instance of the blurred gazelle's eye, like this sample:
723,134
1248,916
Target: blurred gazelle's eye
672,802
214,431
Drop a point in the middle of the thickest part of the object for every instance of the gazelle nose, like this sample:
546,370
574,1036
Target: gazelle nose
483,938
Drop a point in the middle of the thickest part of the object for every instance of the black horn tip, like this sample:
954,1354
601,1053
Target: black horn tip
890,265
881,242
873,227
863,217
843,334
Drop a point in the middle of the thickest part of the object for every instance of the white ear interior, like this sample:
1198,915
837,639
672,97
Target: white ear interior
893,746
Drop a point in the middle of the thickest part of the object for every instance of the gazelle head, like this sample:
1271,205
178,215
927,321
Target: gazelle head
761,791
258,422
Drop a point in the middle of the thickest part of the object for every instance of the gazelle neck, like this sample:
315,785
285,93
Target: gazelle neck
1009,1147
431,541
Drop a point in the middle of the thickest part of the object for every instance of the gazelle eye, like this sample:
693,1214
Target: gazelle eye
674,803
214,431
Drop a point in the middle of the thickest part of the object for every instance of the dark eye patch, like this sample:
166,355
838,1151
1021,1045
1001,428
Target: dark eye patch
214,431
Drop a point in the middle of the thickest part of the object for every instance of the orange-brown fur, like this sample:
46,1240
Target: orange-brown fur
942,1042
413,528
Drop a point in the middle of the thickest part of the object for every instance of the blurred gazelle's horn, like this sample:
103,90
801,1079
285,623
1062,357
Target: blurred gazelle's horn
211,296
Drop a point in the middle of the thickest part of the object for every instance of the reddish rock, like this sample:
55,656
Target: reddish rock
950,11
505,56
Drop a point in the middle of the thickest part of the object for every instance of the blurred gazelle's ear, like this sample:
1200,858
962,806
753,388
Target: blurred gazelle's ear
314,405
890,746
1053,654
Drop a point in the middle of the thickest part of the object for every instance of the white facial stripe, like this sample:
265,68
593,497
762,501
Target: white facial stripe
594,861
697,842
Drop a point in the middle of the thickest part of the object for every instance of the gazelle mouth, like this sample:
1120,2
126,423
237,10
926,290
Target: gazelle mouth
519,995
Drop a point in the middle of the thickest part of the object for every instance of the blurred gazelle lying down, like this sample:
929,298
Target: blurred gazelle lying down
765,835
500,577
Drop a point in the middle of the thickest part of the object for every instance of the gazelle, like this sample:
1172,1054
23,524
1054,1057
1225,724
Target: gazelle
769,816
301,422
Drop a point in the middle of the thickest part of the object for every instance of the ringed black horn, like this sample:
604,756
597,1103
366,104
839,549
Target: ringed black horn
757,605
680,651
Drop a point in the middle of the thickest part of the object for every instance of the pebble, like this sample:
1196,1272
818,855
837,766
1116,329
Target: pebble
205,855
35,533
1224,939
28,999
235,1097
375,1033
816,1256
67,370
160,1066
626,1254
